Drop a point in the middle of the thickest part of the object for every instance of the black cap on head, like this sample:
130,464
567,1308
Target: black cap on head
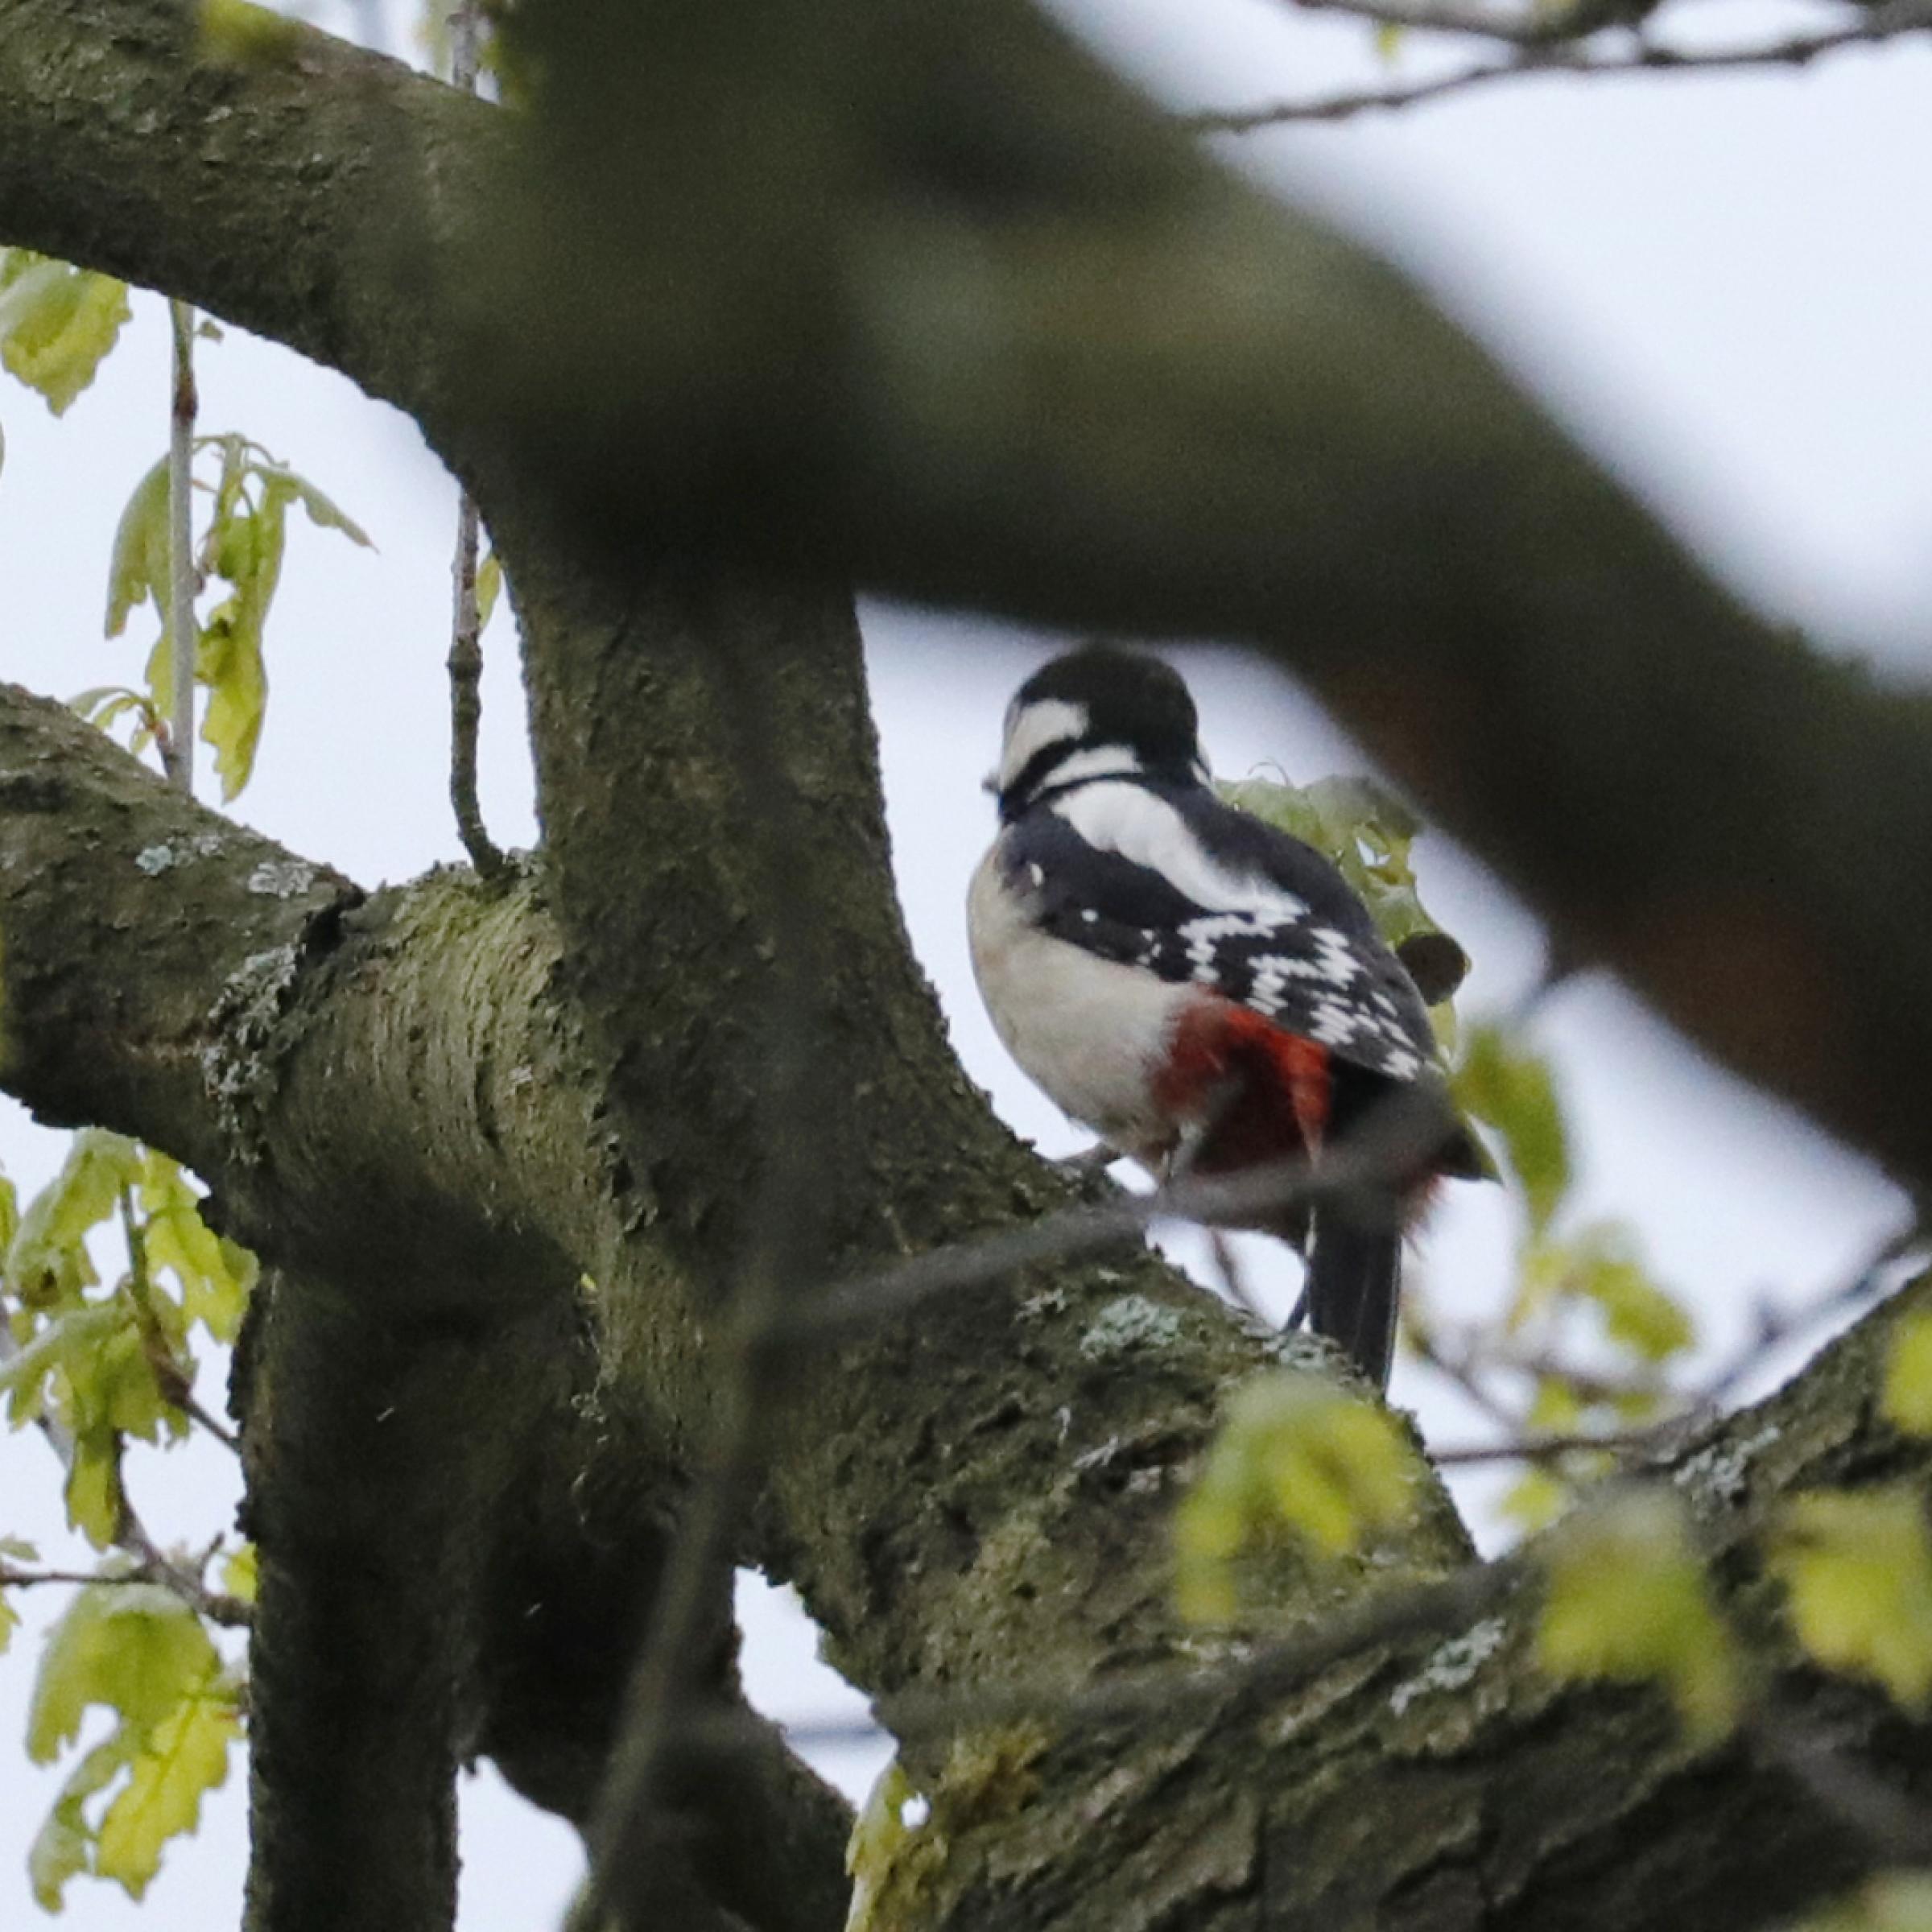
1131,698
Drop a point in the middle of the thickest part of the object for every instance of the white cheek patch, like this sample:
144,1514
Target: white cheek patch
1131,820
1031,727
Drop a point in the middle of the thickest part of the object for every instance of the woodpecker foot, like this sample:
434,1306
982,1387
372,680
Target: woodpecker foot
1089,1161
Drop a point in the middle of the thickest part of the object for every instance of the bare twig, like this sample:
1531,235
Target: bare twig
1234,1277
1518,28
216,1605
1695,1409
1879,23
1553,1448
465,662
1251,1669
178,746
466,699
1389,1142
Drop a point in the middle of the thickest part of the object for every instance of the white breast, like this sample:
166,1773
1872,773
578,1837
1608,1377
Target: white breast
1089,1032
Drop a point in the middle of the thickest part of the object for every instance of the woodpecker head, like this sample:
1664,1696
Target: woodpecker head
1097,713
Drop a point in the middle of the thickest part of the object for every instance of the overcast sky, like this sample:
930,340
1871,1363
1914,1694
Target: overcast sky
1724,284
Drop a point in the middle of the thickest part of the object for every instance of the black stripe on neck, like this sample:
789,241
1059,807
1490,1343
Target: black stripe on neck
1016,802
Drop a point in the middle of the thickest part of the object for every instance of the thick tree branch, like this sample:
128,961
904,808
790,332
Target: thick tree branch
460,1524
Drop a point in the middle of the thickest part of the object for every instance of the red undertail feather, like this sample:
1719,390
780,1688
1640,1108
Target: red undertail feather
1266,1091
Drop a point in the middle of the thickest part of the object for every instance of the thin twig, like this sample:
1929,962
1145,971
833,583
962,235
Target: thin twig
466,699
177,747
216,1605
1234,1277
1252,1669
1387,1142
1519,29
1696,1409
465,664
1885,22
1551,1448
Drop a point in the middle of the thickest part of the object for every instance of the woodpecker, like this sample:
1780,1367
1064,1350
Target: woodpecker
1203,991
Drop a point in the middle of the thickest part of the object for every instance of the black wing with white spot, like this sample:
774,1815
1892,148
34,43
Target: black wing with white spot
1165,877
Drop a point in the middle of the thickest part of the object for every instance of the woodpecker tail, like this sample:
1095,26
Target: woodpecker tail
1355,1283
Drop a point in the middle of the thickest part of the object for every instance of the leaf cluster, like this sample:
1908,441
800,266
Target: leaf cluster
108,1362
1296,1458
241,546
57,324
137,1650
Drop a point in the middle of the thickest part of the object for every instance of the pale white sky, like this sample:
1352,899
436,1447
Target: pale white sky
1724,284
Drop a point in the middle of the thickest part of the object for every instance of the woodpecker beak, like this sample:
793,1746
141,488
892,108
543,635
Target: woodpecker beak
991,783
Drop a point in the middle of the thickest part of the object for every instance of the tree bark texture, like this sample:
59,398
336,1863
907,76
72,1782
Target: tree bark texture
508,1154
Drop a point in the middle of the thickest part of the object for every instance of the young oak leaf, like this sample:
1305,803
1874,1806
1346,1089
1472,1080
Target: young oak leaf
64,1845
140,1651
244,546
1504,1084
216,1275
241,1574
57,324
46,1260
1626,1598
137,567
185,1756
135,1647
1906,1402
1892,1901
1645,1318
1857,1570
1296,1455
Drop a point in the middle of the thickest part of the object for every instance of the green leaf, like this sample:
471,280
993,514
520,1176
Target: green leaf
215,1275
62,1846
323,512
46,1260
1294,1454
1893,1901
241,1574
1907,1401
10,1622
1535,1500
229,661
489,586
64,1346
1363,827
878,1836
10,1216
135,1648
1626,1598
182,1757
138,1650
137,565
93,1491
1601,1266
57,324
241,35
1857,1568
1510,1088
